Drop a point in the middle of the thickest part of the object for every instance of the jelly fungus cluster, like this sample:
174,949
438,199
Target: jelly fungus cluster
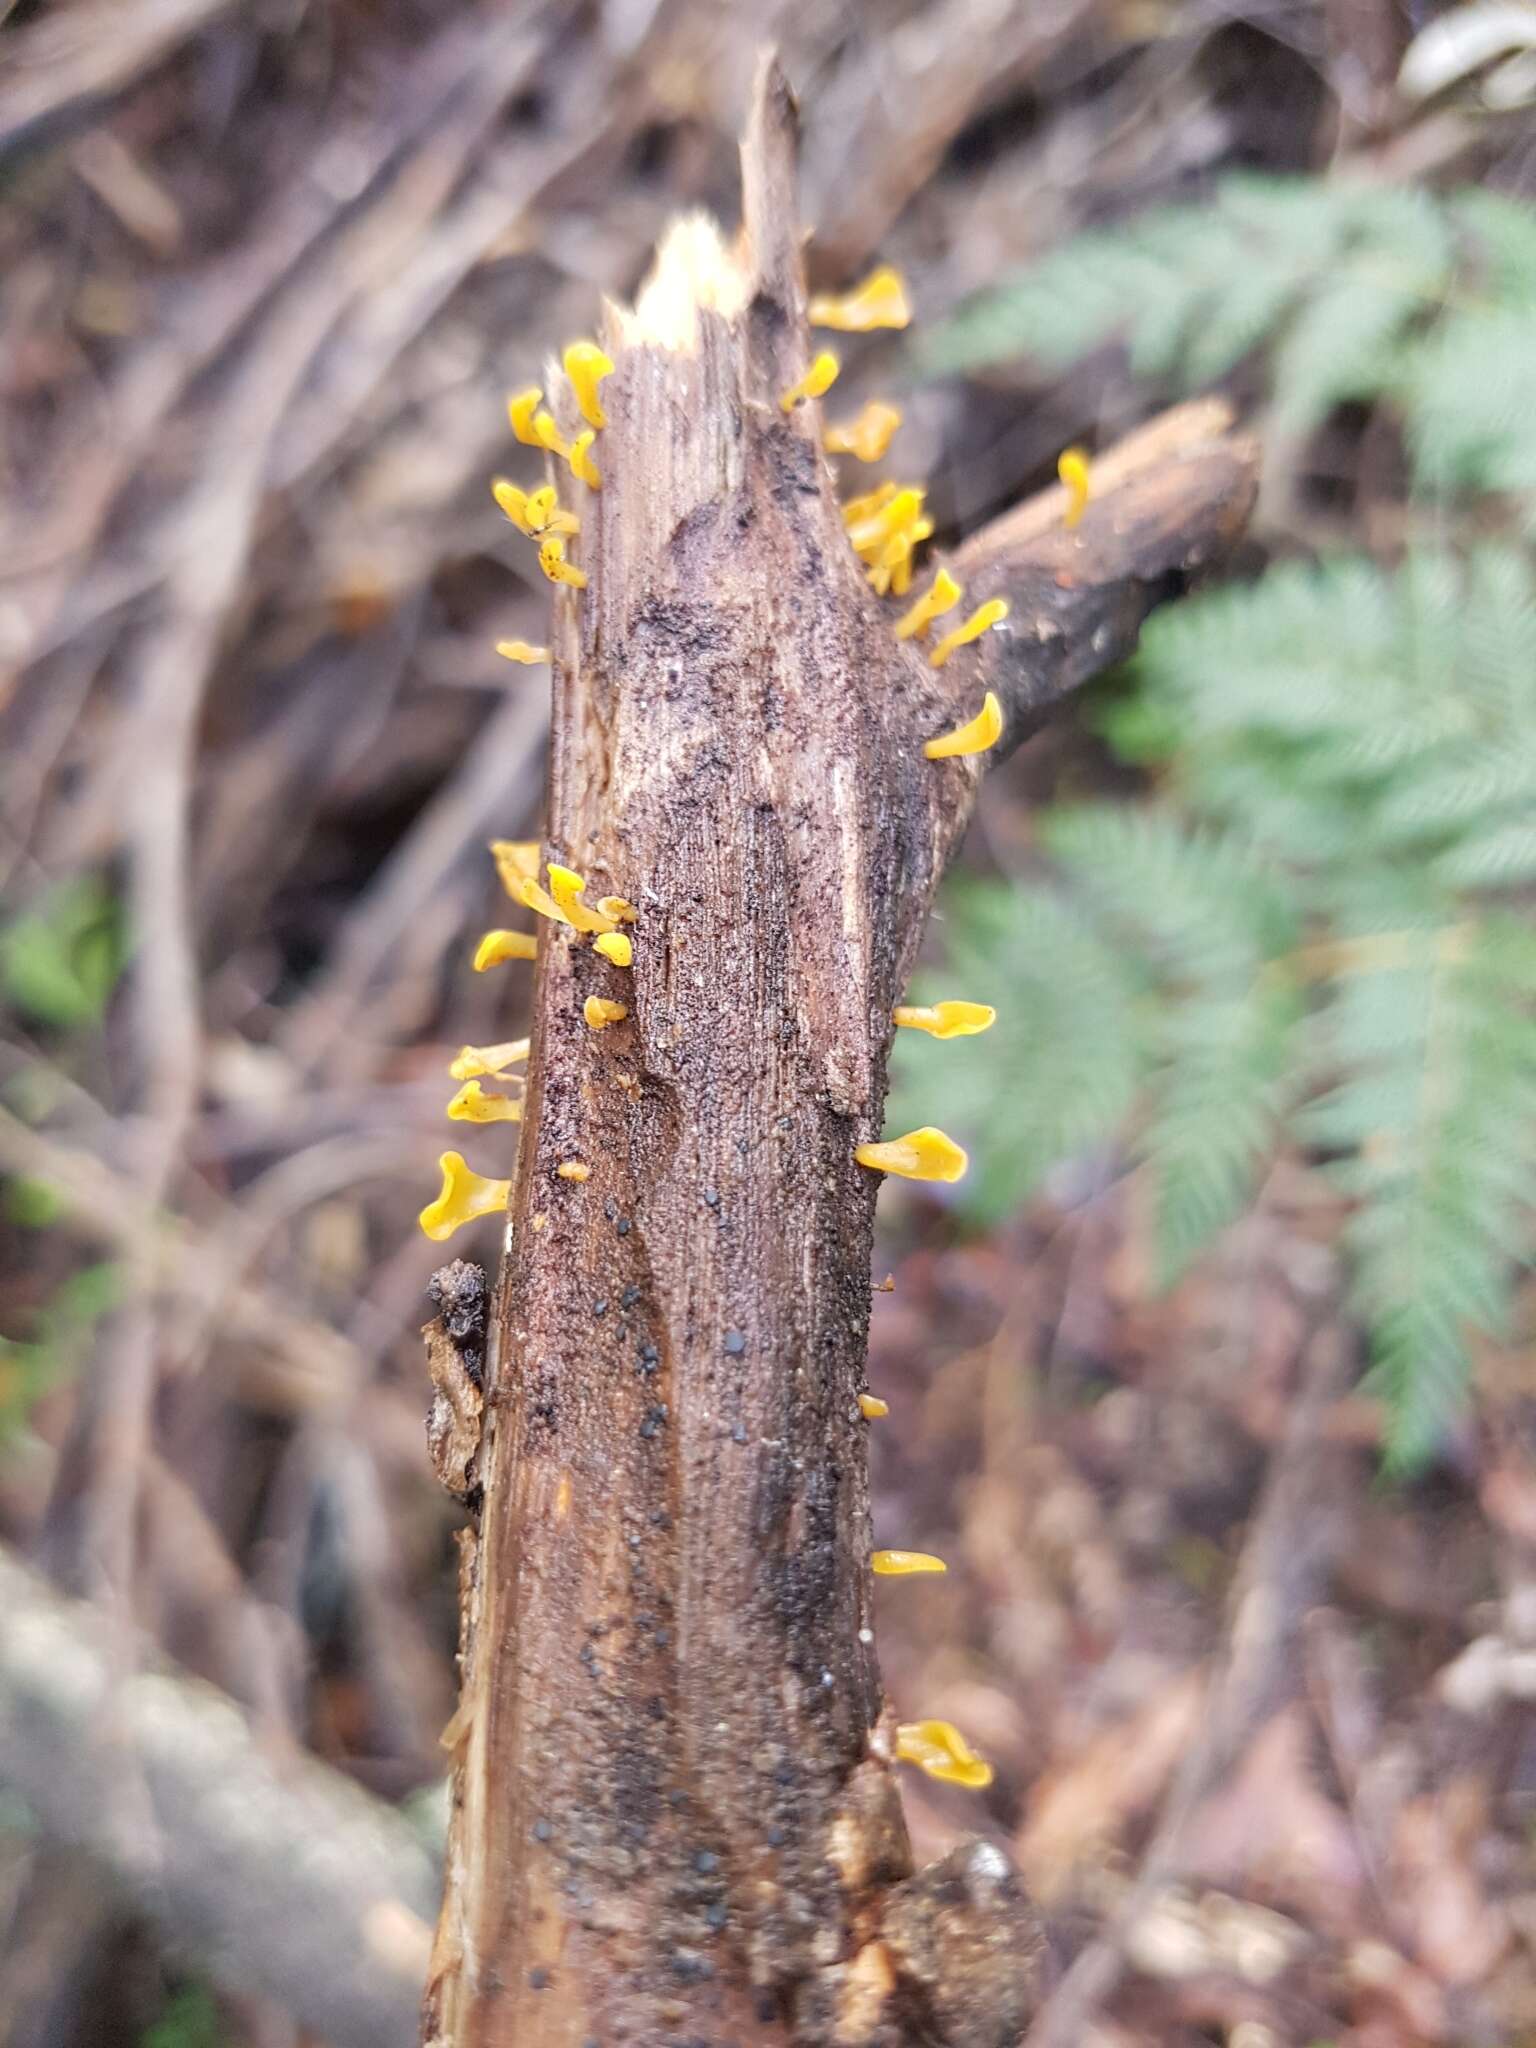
885,525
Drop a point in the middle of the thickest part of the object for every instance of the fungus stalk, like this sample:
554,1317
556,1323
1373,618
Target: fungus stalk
676,1811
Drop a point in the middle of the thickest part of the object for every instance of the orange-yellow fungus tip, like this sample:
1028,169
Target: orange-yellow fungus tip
475,1060
942,1751
552,561
942,595
523,651
583,468
513,502
904,1564
946,1020
598,1011
900,513
818,380
566,886
921,1155
617,947
465,1196
539,901
574,1169
982,620
880,301
974,737
473,1106
619,908
521,407
548,435
545,516
587,366
871,1407
867,503
867,435
1073,471
496,947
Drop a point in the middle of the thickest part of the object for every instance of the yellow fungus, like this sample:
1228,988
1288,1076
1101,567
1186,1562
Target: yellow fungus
904,1564
496,947
517,861
513,502
552,561
587,366
942,1751
523,651
549,435
565,885
942,595
544,514
474,1060
539,1222
818,379
618,908
521,407
582,465
896,514
598,1011
946,1020
1073,471
867,503
539,901
871,1407
473,1106
617,947
893,564
465,1195
867,436
574,1169
925,1154
974,737
982,620
880,301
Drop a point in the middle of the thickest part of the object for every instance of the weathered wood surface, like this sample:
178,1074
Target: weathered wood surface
676,1819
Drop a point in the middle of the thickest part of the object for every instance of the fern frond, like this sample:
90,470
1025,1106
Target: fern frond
1468,390
1059,1071
1503,232
1192,290
1218,1103
1439,1123
1199,906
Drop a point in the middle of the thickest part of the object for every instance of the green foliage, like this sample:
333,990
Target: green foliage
60,962
189,2019
1424,303
60,1335
1318,933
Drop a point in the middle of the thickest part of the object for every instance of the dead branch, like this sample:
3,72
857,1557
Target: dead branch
72,57
279,1875
676,1813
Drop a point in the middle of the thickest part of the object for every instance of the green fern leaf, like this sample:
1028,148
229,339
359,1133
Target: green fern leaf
1200,906
1218,1104
1468,390
1058,1072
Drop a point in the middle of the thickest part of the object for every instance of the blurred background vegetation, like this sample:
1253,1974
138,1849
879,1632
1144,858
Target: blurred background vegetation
1237,1299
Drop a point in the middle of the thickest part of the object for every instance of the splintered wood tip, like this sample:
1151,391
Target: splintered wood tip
695,272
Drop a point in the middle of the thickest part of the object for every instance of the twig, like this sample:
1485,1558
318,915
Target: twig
280,1875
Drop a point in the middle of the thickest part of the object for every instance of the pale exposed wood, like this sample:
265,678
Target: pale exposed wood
675,1815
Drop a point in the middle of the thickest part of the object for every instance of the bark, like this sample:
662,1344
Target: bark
676,1817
